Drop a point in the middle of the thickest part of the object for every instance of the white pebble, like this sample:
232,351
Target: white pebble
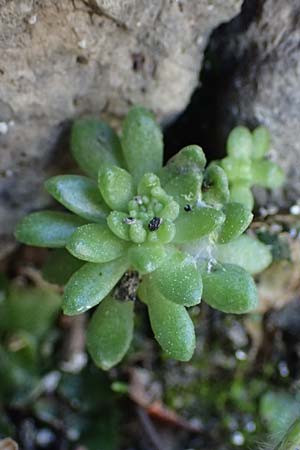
3,128
295,210
32,20
237,438
241,355
82,43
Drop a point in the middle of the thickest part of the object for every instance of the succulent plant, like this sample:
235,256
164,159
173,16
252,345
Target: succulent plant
246,164
171,233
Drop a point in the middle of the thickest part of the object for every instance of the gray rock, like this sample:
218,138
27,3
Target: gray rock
62,59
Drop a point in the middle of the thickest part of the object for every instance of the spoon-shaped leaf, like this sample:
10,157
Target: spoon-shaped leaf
109,333
261,142
246,252
116,187
185,188
142,142
95,242
78,194
59,266
237,219
95,145
171,325
47,228
239,143
194,224
146,257
229,288
178,279
90,284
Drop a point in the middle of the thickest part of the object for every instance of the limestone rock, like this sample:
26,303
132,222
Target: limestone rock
61,59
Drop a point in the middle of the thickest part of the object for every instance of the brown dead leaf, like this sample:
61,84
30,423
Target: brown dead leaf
8,444
280,283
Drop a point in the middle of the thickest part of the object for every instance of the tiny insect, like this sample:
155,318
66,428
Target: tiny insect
188,208
154,223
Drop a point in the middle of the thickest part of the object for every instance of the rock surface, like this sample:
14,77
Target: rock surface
62,59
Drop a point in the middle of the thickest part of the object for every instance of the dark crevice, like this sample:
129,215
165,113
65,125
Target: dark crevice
201,122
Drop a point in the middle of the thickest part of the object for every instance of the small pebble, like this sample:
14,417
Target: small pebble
44,437
295,210
32,20
283,369
82,44
237,438
3,128
241,355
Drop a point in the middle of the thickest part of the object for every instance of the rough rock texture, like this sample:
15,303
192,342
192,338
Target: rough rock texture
61,59
261,67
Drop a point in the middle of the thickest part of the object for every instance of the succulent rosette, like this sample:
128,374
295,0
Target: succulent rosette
173,230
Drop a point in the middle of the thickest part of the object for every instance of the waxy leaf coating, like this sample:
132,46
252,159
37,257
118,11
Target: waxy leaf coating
116,186
246,252
172,326
229,288
142,143
90,284
79,194
237,220
95,242
47,228
95,145
178,279
109,333
194,224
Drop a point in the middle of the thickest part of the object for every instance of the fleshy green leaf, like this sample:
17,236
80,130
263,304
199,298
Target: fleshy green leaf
95,242
267,174
182,176
190,159
116,186
215,183
229,288
146,257
237,220
47,228
32,309
59,266
178,279
246,252
90,284
240,192
194,224
239,143
95,145
142,143
109,333
261,142
117,224
237,169
185,188
78,194
171,325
